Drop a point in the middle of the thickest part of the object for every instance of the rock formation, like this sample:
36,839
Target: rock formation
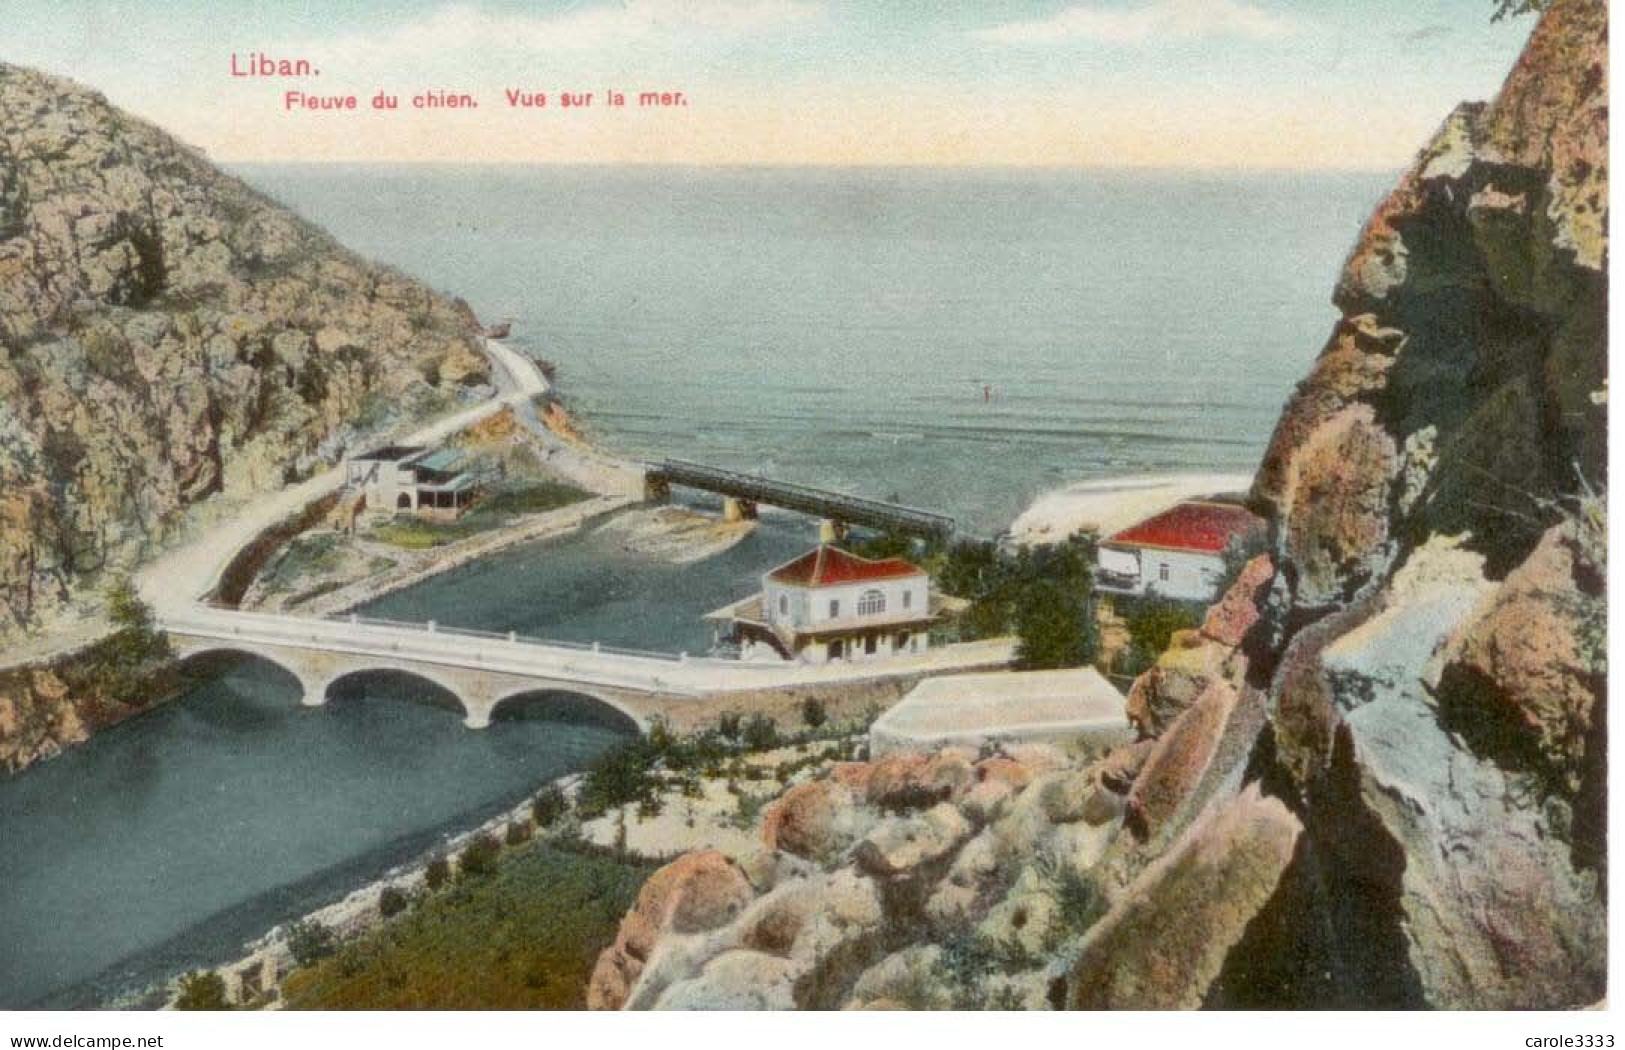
167,334
1375,776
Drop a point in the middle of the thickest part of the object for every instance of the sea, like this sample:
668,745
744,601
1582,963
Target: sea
959,340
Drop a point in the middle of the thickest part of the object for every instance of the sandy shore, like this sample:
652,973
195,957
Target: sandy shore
1110,504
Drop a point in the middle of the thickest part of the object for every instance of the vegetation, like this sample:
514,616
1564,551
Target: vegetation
1152,621
309,941
202,990
1514,8
813,714
391,901
524,938
494,510
437,874
479,857
1044,595
548,806
127,665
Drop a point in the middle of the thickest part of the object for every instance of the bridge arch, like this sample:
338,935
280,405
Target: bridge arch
420,686
192,662
572,705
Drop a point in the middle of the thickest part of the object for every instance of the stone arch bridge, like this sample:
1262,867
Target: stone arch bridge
484,670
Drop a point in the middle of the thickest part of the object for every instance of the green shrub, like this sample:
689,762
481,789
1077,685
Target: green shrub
1151,622
391,901
202,990
310,941
480,856
729,724
437,873
518,833
813,713
618,776
548,806
760,734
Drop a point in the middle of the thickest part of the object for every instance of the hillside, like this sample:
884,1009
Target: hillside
1376,775
167,334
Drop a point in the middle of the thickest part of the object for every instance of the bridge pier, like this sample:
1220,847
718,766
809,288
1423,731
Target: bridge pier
736,509
832,530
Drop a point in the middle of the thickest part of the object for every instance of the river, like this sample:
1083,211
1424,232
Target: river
167,841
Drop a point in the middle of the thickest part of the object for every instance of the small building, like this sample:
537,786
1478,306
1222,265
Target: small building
1075,709
1178,553
829,604
410,478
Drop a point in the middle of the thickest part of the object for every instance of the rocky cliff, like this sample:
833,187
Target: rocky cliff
168,334
1375,776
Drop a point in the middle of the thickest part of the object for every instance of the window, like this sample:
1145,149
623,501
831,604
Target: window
404,501
869,644
784,604
871,602
834,608
1162,572
908,598
902,640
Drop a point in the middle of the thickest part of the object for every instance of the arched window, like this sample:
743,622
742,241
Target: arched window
404,501
871,602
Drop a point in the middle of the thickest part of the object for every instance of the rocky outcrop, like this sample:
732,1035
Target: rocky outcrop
1412,682
168,334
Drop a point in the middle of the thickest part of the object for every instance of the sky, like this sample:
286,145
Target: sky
1222,84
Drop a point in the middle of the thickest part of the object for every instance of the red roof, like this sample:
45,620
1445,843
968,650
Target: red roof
828,566
1194,526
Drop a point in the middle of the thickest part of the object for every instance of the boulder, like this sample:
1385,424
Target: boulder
1165,941
816,820
900,845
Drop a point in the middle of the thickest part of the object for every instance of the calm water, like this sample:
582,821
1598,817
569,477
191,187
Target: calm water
838,326
831,327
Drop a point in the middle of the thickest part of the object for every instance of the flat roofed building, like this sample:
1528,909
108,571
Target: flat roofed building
1178,553
413,479
830,604
1076,709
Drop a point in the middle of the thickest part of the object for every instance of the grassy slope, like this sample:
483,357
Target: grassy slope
524,937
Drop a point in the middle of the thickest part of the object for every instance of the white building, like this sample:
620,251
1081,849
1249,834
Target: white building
1075,709
1178,553
832,605
410,478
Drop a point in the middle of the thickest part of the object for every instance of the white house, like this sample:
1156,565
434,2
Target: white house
394,478
832,605
1178,553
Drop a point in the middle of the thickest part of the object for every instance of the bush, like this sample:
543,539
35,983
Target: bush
480,856
618,776
1055,629
392,901
728,725
202,990
813,713
548,806
760,734
518,833
309,941
1151,622
437,873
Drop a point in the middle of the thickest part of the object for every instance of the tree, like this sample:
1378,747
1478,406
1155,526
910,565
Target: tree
1055,628
202,990
1152,622
1514,8
548,805
813,713
309,941
124,665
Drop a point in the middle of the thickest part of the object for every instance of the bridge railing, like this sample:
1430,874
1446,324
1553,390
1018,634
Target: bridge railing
434,627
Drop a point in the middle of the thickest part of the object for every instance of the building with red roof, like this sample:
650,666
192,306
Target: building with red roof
831,604
1178,553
